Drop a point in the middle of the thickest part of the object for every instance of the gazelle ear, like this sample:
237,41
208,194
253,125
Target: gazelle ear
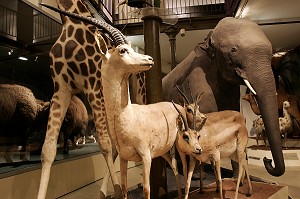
102,46
179,124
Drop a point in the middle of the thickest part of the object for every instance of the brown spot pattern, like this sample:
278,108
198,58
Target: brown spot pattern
73,67
79,36
70,30
52,72
80,56
89,37
97,57
91,97
92,81
81,7
58,66
83,68
63,36
65,77
70,74
70,47
57,50
73,85
90,50
56,87
92,66
66,4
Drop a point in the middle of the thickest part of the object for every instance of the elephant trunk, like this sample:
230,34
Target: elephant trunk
267,101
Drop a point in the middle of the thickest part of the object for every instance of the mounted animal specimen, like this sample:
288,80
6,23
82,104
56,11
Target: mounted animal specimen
235,52
19,110
75,68
154,131
219,140
285,122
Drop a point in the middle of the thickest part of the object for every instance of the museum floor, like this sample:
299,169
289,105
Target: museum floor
291,178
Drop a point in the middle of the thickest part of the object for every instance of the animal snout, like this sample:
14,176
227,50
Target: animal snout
198,150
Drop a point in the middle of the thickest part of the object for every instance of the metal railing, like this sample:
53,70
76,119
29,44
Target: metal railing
44,27
179,8
8,23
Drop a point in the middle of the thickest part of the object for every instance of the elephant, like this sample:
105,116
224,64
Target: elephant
236,52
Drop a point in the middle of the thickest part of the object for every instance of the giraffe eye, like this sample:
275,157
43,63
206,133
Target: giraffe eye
123,51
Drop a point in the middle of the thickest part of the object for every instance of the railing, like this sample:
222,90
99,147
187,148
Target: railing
180,8
8,23
44,27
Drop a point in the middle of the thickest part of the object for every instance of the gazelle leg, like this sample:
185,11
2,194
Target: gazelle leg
184,167
190,174
123,171
218,177
59,105
241,170
146,159
201,176
250,190
173,163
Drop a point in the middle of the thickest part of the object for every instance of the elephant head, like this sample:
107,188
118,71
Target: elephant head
242,54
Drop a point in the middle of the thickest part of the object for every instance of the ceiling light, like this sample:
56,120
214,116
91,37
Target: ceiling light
10,52
22,58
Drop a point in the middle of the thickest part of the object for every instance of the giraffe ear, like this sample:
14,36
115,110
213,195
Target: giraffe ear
102,46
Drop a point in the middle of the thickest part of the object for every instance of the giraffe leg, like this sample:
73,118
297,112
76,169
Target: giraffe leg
103,189
173,163
107,151
59,105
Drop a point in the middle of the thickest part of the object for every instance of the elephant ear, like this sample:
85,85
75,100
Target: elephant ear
207,46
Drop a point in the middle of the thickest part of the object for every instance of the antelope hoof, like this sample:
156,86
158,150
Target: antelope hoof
248,195
201,191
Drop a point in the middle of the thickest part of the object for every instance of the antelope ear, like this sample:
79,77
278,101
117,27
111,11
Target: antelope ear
179,124
102,46
208,46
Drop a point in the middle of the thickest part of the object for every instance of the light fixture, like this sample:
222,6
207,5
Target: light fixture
36,59
10,52
22,58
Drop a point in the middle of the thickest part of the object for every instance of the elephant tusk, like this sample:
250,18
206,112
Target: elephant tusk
249,86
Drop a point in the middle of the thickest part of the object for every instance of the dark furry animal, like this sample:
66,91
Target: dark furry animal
18,110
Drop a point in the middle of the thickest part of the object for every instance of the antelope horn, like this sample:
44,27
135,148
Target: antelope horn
182,94
117,36
191,93
194,115
182,117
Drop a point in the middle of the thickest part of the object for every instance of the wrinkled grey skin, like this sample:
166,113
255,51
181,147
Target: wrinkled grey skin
236,49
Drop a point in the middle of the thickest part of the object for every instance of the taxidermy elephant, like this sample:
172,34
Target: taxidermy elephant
236,52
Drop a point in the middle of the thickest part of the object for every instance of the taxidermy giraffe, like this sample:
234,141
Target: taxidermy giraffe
75,67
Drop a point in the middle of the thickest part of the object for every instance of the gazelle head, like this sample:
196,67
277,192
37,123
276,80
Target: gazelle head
188,139
123,55
195,118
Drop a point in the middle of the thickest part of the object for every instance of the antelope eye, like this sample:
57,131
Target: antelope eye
123,50
198,137
189,110
185,137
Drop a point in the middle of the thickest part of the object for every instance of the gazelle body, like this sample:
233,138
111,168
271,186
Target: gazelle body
217,140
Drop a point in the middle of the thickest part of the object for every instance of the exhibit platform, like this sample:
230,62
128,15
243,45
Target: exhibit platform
291,154
260,191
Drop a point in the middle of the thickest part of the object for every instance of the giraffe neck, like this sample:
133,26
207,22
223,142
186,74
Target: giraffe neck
73,6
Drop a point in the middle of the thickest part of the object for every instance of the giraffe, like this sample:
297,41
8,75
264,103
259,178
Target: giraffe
75,68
